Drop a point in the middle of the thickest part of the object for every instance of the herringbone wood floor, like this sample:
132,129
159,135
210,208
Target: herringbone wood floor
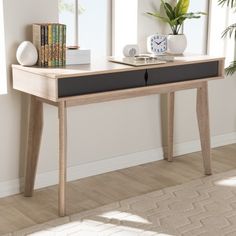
17,212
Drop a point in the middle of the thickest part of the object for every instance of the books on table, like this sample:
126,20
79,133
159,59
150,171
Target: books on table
50,41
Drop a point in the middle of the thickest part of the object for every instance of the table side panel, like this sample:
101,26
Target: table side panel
35,84
183,73
100,83
221,67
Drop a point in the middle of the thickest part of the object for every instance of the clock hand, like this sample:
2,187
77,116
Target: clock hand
161,42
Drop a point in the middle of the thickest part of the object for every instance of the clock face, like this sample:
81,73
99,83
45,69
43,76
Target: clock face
157,44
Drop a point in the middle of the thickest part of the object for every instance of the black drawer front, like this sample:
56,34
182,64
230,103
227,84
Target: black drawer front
182,73
100,83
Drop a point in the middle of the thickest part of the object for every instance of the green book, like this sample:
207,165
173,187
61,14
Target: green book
42,45
46,45
54,47
64,45
57,45
50,50
60,58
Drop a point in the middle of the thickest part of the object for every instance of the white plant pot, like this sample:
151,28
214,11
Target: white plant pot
27,54
177,43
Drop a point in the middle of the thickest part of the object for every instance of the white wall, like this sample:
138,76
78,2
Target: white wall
18,15
104,136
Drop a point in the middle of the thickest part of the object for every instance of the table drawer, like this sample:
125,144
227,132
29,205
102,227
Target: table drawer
100,83
182,73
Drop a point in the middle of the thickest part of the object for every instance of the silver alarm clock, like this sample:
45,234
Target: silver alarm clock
157,44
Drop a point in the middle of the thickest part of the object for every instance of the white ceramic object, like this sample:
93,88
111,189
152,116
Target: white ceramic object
27,54
131,50
177,43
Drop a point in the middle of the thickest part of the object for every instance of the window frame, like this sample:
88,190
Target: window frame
76,36
3,64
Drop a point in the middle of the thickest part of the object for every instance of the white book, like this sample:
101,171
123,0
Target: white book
78,56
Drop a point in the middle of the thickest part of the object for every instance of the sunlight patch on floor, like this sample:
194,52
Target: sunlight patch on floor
230,182
115,223
118,215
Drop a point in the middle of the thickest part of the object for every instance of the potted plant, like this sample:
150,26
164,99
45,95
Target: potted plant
175,15
229,32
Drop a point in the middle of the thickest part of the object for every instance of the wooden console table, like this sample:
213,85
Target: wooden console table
106,81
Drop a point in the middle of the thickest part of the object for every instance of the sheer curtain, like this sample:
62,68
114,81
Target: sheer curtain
3,76
219,19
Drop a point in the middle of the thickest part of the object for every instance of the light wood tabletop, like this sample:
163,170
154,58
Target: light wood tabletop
103,66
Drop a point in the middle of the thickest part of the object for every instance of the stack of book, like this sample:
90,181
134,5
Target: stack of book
50,41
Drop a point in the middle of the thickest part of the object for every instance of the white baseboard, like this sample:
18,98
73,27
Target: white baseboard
94,168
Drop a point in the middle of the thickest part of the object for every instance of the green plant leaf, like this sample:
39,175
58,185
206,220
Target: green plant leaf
229,3
182,7
191,15
185,6
156,15
175,16
69,7
170,7
229,31
231,69
168,10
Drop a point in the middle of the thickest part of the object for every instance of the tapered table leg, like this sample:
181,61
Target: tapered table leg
204,126
62,114
170,125
34,134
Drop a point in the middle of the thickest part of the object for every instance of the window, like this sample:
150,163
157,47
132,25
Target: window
220,18
125,24
3,78
88,24
106,26
69,16
205,34
196,30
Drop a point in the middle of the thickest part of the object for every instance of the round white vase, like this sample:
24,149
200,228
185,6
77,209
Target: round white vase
177,43
27,54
